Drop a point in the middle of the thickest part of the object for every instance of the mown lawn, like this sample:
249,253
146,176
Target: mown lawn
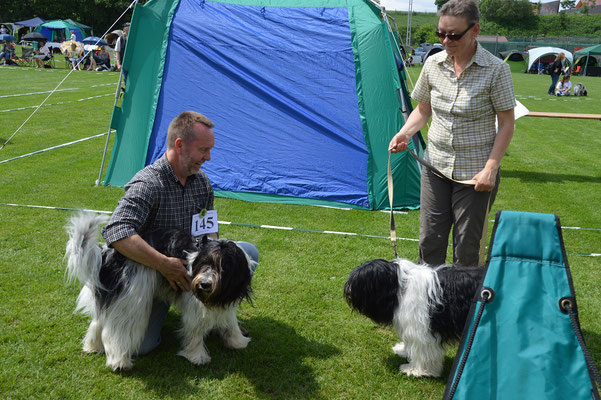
306,341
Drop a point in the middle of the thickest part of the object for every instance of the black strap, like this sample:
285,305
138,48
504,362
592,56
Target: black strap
587,355
486,297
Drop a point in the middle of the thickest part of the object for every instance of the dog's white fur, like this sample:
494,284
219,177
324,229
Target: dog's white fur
411,321
119,329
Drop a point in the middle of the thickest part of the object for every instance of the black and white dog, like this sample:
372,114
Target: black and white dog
118,293
426,306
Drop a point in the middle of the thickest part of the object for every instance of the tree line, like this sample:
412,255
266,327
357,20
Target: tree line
99,14
499,19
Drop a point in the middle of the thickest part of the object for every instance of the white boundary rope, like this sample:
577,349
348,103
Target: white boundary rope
32,93
58,103
64,79
286,228
58,90
53,147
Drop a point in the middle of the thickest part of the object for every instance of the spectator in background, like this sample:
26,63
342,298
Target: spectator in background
564,87
73,37
74,55
102,59
120,47
556,72
42,55
8,51
3,29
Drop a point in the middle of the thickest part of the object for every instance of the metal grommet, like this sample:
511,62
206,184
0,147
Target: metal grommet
487,295
565,303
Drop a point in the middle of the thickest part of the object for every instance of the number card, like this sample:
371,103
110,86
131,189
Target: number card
205,222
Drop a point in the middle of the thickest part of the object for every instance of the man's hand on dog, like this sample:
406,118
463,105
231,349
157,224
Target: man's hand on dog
174,270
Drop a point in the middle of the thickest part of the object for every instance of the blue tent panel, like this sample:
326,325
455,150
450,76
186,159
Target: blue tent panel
286,120
31,23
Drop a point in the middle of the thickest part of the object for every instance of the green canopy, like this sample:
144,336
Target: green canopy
85,28
59,30
592,50
588,51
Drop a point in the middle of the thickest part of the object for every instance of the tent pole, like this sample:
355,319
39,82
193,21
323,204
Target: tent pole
108,134
117,94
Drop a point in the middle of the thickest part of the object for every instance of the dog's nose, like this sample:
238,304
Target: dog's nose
205,285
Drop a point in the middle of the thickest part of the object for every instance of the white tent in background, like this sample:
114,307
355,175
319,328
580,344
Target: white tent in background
538,52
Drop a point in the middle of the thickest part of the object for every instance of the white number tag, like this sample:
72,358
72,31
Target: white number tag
205,223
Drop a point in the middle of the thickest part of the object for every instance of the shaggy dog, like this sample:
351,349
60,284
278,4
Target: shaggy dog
118,293
426,306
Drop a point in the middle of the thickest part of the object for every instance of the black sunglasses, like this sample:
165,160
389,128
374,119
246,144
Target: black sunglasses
453,36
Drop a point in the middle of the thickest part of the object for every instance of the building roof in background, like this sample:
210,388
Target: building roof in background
589,3
550,8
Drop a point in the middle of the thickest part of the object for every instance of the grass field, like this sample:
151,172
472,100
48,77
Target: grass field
306,343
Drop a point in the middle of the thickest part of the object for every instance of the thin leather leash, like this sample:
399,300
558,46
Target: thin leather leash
482,253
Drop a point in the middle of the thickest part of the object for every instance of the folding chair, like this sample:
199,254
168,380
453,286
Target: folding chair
50,62
26,59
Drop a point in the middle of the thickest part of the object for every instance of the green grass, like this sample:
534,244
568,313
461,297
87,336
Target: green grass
306,342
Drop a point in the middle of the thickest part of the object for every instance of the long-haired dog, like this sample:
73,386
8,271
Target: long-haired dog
118,293
426,306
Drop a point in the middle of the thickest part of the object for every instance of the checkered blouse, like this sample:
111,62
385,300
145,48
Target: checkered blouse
462,132
154,198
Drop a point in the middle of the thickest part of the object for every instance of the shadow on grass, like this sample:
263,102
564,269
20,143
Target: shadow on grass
541,177
274,363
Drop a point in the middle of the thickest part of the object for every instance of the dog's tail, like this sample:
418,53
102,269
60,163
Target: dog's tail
84,256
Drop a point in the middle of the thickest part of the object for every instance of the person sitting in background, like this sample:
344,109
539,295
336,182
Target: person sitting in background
102,59
74,55
564,87
86,61
43,55
8,51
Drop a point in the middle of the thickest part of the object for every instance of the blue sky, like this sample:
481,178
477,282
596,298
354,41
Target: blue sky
403,5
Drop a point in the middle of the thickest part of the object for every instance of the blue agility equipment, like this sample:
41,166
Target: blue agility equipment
522,339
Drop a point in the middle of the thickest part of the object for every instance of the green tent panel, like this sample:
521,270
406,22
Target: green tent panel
305,96
59,30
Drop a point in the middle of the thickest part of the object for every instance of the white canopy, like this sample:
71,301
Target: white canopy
538,52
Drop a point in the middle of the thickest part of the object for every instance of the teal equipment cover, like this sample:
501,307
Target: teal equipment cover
524,346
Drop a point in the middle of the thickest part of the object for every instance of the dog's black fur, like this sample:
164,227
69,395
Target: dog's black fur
373,289
225,257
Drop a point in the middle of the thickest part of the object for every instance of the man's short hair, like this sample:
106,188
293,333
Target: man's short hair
182,127
467,9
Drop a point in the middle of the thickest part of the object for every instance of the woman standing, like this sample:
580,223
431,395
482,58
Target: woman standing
555,72
464,89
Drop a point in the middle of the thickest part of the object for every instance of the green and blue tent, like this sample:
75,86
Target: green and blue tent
305,96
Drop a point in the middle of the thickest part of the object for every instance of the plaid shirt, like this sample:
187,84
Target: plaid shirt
154,198
462,132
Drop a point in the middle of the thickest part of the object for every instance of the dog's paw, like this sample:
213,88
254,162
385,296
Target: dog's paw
237,341
412,370
400,350
121,364
93,348
198,357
